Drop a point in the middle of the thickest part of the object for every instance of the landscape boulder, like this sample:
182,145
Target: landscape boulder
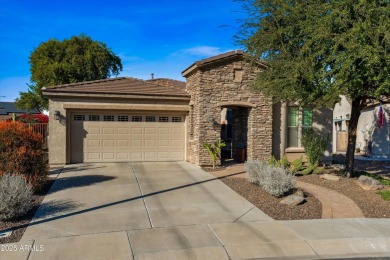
339,167
299,193
368,183
330,177
293,200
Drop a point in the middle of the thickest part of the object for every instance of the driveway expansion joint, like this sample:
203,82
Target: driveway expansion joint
220,241
237,219
142,195
130,244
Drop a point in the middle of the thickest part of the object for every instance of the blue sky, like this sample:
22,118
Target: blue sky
159,36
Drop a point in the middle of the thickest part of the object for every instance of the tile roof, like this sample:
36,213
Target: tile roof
10,107
124,86
168,82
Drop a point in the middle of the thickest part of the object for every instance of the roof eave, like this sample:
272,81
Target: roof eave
108,95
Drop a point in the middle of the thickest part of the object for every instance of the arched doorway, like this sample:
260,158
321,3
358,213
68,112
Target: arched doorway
234,132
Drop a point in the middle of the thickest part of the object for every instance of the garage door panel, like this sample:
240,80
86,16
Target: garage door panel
136,143
163,155
163,143
136,130
163,131
111,141
150,131
150,155
177,131
177,155
108,143
122,142
108,131
93,143
136,155
123,130
93,156
149,143
176,143
108,156
122,156
93,130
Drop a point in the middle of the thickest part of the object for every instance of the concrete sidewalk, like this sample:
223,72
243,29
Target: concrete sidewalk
308,239
177,211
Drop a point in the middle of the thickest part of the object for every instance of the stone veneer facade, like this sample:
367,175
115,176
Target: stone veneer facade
226,83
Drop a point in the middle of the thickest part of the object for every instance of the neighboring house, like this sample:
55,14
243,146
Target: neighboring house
371,140
9,109
127,119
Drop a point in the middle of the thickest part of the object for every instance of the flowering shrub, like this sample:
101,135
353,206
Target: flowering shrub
21,152
33,118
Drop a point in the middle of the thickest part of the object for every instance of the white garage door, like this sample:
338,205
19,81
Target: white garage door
126,137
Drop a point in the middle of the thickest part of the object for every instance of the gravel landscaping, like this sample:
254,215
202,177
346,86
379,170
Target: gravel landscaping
370,202
311,209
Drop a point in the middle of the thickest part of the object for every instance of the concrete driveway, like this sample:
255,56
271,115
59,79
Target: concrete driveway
177,211
96,198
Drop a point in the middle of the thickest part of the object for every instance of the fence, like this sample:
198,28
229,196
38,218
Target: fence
40,128
342,141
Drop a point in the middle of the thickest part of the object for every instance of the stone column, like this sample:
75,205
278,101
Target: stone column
260,133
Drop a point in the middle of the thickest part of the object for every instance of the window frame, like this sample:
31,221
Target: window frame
94,118
302,123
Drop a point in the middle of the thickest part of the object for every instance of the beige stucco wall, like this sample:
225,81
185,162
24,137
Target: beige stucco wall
59,134
368,130
341,111
322,123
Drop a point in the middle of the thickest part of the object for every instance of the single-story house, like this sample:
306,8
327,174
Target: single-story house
128,119
8,110
372,140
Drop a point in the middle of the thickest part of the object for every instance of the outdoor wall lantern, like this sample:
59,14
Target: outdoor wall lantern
57,115
211,120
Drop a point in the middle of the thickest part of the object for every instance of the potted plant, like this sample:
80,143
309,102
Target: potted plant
241,152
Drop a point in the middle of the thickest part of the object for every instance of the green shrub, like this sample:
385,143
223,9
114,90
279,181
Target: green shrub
214,150
278,163
385,194
277,181
319,170
21,152
309,169
296,165
284,162
315,145
15,196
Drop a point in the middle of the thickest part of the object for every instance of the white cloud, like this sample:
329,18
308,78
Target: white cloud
202,51
128,58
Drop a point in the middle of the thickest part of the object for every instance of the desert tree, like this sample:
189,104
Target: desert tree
72,60
317,50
